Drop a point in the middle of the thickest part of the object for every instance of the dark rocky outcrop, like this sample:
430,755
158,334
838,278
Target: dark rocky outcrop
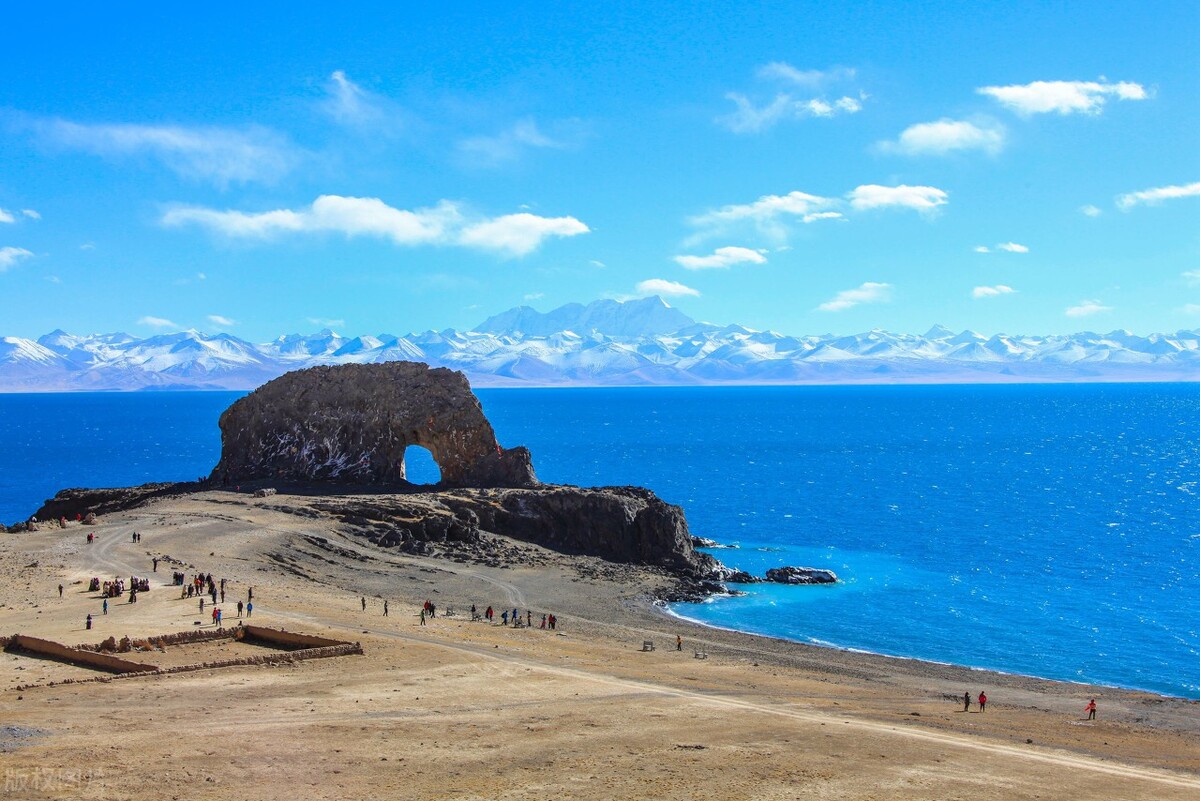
71,502
352,424
801,575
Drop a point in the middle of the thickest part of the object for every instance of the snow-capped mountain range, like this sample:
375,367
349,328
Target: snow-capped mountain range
608,343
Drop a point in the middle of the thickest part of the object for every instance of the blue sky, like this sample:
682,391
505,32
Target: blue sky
809,168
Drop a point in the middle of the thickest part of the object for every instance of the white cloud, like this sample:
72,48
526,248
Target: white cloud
982,249
1086,308
749,117
1090,211
991,291
535,296
722,257
443,224
54,279
518,234
1152,197
9,256
510,144
1192,277
31,214
325,322
661,286
924,199
157,322
218,155
780,70
869,292
1191,308
599,265
946,136
6,217
349,103
1063,97
1012,247
88,246
223,322
768,213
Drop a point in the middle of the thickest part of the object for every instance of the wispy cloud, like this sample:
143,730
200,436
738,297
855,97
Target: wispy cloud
218,155
1153,197
443,224
512,143
661,286
769,214
755,115
1191,308
157,322
31,214
349,104
1192,277
991,291
1086,308
7,217
722,257
1090,211
9,256
1062,97
535,296
326,322
925,199
946,136
869,292
223,322
1012,247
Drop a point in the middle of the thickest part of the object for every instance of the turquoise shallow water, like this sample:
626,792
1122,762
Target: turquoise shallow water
1048,530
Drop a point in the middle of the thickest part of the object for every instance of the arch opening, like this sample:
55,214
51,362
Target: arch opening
420,467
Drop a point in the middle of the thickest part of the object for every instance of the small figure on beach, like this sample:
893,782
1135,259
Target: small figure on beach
156,564
364,603
385,608
966,702
1091,709
553,622
104,606
543,621
529,618
60,589
422,616
678,642
249,608
202,604
489,614
982,701
239,608
88,622
504,618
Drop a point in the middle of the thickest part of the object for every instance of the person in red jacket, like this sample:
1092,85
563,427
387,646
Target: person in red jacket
982,701
1091,709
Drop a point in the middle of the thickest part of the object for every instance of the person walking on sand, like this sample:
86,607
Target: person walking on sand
678,642
982,701
239,608
60,589
88,622
422,616
364,603
202,604
249,608
966,702
104,606
504,618
1091,709
385,609
156,564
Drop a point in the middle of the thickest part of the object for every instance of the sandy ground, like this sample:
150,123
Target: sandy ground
466,710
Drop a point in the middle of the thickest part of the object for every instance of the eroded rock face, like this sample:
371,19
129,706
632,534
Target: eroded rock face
352,424
801,575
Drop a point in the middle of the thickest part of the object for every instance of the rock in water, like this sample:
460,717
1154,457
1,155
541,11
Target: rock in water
801,575
352,424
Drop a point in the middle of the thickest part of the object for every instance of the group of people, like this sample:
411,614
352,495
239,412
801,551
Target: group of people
549,621
1090,708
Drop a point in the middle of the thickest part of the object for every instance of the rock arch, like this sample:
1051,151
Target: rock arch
352,423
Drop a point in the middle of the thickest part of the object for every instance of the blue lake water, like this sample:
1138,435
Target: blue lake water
1046,530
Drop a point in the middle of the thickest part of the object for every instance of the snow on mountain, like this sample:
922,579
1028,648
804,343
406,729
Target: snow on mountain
608,343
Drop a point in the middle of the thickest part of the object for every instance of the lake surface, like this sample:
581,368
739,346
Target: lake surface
1046,530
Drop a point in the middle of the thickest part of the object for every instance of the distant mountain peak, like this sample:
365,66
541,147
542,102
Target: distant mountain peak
651,316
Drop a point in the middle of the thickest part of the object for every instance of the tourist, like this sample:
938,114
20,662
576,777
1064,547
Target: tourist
214,616
385,608
60,589
678,642
553,622
528,618
966,702
249,608
982,701
543,621
422,616
250,594
104,606
239,608
1091,709
88,623
156,564
472,611
202,605
489,614
222,595
504,617
364,603
218,618
515,616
